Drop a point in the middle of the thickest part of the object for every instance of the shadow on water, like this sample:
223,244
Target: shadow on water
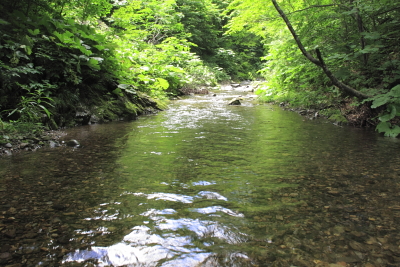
205,184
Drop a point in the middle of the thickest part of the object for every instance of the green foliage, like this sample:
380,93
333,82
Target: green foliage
392,97
391,100
12,128
50,66
160,69
35,104
334,115
358,39
388,129
147,21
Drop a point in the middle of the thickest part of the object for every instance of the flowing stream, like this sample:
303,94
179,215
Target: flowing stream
205,184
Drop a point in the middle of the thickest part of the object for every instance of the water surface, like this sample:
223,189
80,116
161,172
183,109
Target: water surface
206,184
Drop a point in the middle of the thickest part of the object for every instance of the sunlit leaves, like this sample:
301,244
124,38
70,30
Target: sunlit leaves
150,21
86,11
161,83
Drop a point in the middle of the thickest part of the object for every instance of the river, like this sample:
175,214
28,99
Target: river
204,183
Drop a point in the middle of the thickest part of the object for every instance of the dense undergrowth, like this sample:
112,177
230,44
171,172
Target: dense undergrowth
65,63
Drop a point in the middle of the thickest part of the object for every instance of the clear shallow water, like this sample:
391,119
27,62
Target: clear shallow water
206,184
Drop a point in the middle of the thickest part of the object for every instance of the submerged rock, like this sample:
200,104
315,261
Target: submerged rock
73,143
235,101
53,144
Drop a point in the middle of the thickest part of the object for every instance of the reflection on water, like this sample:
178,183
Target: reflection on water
206,184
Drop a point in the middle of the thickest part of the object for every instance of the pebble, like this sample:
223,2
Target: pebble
5,255
5,248
23,145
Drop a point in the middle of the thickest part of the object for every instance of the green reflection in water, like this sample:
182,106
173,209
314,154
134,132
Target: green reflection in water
200,182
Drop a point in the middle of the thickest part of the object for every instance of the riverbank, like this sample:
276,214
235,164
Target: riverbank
343,112
340,113
17,142
17,136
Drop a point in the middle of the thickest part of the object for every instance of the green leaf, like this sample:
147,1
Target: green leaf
85,51
175,69
162,83
3,22
395,91
48,113
372,35
380,100
99,59
124,86
93,63
34,32
64,37
28,49
392,113
388,129
394,132
99,47
383,127
370,49
118,92
84,57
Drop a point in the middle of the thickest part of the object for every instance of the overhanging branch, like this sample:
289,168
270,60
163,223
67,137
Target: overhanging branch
319,62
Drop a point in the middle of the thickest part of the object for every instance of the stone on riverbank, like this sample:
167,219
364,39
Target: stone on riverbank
29,142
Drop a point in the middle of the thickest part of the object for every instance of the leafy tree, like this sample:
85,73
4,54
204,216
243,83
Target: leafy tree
319,62
105,58
354,38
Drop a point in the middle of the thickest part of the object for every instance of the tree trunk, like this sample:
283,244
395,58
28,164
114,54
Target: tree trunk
319,62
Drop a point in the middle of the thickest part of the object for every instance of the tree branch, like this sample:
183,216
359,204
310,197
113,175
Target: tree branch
336,82
319,62
295,36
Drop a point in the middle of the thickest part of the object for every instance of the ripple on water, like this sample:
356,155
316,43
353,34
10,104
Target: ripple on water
216,209
144,246
166,196
203,183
